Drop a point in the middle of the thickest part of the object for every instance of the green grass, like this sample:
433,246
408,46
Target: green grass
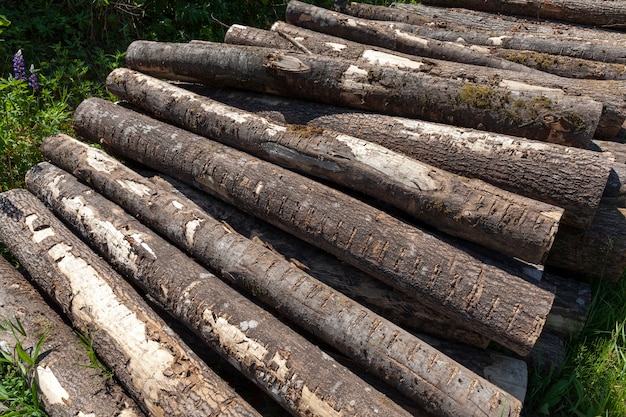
74,44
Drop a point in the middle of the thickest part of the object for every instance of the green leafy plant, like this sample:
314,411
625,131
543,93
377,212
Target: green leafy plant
94,362
18,386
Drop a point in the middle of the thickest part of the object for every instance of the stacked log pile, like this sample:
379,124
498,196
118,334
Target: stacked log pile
351,208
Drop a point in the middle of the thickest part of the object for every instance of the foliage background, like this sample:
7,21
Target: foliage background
74,44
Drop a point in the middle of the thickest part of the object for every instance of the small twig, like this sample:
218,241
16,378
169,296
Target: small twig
220,22
295,43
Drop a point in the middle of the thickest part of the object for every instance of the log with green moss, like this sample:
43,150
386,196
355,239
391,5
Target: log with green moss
532,112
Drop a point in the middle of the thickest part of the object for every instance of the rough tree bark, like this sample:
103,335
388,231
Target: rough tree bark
395,306
607,14
444,277
68,385
469,209
607,92
590,51
499,24
566,177
617,149
538,113
292,370
155,366
598,252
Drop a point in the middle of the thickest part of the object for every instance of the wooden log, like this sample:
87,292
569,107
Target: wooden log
496,159
267,351
500,24
616,148
519,41
461,207
606,92
444,277
154,365
607,14
68,382
368,338
361,287
598,252
545,115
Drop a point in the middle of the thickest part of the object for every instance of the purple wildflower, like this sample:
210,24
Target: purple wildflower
33,79
19,68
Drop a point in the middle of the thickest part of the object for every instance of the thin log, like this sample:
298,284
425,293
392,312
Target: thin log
616,148
461,207
444,277
598,252
497,159
604,91
69,383
607,14
499,24
540,114
155,366
267,351
589,51
372,340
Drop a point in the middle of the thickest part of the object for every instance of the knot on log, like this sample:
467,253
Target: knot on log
287,63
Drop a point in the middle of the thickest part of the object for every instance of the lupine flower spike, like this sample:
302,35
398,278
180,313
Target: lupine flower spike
33,79
19,68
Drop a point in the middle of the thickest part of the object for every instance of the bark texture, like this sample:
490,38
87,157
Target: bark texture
566,177
470,209
444,277
591,51
598,252
606,14
68,385
606,92
267,351
530,112
153,364
395,306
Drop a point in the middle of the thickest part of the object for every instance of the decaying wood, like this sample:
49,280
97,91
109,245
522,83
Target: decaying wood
69,384
604,91
518,41
500,24
154,365
606,14
395,306
267,351
529,112
598,252
468,289
368,338
470,209
497,159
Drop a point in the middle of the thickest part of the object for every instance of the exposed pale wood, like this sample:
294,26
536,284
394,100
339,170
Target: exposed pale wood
606,13
69,384
605,91
616,148
444,277
566,177
153,364
598,252
531,112
267,351
470,209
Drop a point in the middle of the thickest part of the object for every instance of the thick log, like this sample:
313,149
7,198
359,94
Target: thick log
538,113
589,51
497,159
606,14
267,351
598,252
461,207
607,92
368,338
361,287
499,24
155,366
445,278
68,383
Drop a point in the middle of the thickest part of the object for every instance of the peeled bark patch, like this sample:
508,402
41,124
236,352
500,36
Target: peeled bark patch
445,277
156,368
